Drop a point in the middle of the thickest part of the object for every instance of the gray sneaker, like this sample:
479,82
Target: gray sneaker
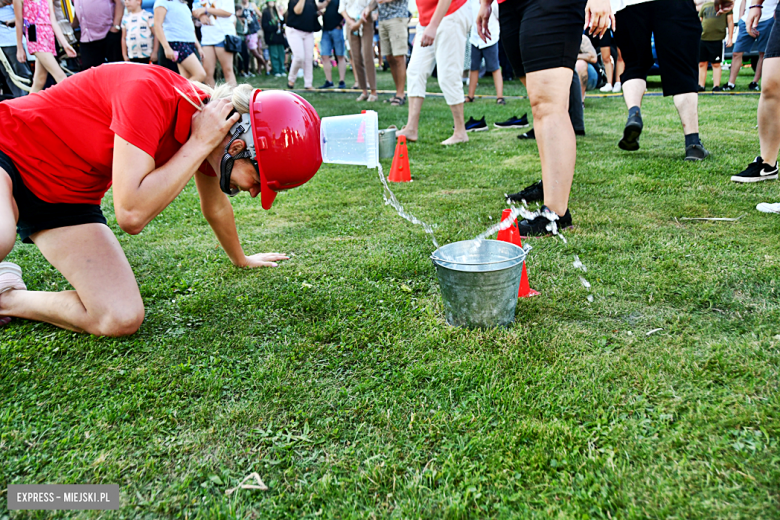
695,152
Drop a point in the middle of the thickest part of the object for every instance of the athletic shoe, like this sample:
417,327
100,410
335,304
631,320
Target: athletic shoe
754,87
631,133
11,277
528,135
514,122
757,171
530,193
476,125
328,84
541,225
579,132
717,89
696,152
729,87
701,89
342,84
606,88
766,207
617,88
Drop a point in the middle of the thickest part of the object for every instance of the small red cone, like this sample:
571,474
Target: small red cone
512,235
399,171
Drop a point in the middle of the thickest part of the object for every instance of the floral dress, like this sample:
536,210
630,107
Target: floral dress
36,12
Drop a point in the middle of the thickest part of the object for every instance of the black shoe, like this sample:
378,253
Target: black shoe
528,135
631,133
328,84
701,89
514,122
729,87
531,193
754,87
757,171
579,132
474,125
541,225
696,152
342,84
717,89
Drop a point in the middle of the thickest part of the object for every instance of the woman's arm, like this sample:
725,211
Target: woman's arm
298,7
55,25
159,18
142,191
21,56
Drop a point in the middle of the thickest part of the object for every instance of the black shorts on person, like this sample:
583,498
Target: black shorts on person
773,45
603,41
711,52
677,30
184,50
541,34
36,215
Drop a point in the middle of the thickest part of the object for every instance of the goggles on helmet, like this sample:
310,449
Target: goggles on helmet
241,130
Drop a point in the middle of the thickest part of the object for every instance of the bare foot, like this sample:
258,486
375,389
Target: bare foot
455,139
410,136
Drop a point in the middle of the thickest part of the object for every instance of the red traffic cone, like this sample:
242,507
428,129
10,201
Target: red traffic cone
399,171
512,235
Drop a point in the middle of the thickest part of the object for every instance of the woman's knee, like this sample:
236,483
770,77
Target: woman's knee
121,320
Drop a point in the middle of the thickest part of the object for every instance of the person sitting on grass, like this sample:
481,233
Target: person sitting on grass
488,50
714,30
146,132
586,66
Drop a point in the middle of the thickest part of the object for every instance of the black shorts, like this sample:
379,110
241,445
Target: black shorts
603,41
677,30
711,52
36,215
541,34
773,45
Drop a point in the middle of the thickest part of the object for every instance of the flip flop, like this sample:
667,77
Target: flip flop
398,101
500,101
469,99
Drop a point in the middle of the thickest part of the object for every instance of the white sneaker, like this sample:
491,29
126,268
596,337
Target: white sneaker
766,207
617,88
606,88
11,277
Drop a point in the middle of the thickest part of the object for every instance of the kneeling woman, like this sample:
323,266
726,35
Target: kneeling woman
147,131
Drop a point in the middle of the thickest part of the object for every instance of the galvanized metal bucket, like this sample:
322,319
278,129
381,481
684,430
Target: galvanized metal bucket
479,282
387,142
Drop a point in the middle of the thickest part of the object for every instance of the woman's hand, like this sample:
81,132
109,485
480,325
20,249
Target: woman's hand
599,17
211,126
263,260
21,56
483,18
428,36
170,54
70,51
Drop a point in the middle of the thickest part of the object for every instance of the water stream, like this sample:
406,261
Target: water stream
391,200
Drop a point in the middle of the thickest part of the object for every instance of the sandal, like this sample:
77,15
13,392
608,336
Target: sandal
398,101
290,85
500,101
469,99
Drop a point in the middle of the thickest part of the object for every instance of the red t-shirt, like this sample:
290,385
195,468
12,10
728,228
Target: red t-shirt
62,139
426,8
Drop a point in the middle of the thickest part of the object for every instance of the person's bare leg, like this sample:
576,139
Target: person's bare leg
398,70
620,67
9,215
473,79
49,62
342,65
106,300
39,79
717,74
703,73
633,92
326,68
209,64
759,68
769,111
736,64
410,131
548,91
688,107
459,135
498,80
192,69
609,68
582,71
226,62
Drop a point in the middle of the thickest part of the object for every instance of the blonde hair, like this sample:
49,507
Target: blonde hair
239,96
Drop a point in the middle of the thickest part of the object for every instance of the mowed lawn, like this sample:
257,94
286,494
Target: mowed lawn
336,379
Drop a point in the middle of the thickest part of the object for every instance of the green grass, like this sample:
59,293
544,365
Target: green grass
335,377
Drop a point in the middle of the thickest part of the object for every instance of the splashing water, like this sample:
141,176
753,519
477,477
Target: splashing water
391,200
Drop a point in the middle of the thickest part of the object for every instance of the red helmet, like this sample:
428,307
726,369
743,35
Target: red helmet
286,132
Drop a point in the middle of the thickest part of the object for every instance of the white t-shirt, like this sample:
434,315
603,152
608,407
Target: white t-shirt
618,5
767,12
493,26
221,27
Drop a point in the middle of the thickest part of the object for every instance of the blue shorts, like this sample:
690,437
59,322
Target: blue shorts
491,58
332,42
593,77
746,43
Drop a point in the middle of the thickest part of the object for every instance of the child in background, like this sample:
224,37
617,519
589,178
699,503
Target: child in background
36,19
714,27
487,50
138,42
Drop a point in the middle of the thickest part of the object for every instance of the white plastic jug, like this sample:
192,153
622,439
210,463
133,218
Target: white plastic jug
351,139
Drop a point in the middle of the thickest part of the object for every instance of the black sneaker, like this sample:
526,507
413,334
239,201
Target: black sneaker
342,85
531,193
696,152
328,84
528,135
701,89
541,225
631,133
476,125
754,87
514,122
729,87
717,89
579,132
757,171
